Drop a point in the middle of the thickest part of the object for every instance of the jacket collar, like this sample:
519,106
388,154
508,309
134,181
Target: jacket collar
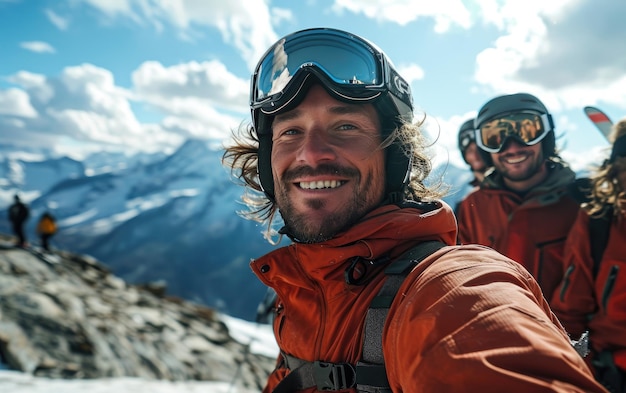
386,232
560,175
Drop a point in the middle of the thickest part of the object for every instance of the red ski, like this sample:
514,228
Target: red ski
600,119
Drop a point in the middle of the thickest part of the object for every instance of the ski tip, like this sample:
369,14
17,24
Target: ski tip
596,115
600,119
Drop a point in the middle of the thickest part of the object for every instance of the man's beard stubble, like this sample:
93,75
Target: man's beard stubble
299,226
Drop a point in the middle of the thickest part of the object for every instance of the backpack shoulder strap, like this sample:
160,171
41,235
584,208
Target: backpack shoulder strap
371,369
579,189
369,374
599,228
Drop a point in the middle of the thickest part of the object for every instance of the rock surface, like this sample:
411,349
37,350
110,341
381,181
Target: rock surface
64,315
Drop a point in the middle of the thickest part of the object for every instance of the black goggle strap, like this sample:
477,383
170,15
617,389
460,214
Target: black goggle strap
265,165
619,148
400,89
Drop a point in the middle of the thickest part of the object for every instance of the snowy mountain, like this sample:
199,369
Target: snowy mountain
33,178
171,220
167,218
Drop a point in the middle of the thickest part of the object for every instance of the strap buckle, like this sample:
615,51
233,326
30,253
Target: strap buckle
333,376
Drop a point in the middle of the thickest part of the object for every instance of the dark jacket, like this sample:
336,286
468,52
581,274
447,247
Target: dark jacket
18,212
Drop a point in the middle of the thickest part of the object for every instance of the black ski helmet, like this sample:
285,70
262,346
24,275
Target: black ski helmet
303,57
505,104
466,136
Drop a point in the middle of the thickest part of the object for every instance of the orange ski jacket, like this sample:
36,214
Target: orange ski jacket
595,303
466,319
46,226
530,230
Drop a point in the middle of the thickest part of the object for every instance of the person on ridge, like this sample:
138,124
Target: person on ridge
334,154
46,228
592,295
18,214
525,207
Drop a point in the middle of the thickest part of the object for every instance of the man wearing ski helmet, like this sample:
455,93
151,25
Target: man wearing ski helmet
333,150
524,207
470,151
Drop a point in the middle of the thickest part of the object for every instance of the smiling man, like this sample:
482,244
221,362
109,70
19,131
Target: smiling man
525,206
333,149
328,158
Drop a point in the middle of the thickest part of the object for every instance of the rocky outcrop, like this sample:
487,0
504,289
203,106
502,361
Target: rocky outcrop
64,315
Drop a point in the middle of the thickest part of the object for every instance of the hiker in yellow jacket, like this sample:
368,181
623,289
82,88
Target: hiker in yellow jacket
46,228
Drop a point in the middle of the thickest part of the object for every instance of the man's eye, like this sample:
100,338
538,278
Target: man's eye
347,127
286,132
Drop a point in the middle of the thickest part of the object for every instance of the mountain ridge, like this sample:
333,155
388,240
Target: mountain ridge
65,315
169,218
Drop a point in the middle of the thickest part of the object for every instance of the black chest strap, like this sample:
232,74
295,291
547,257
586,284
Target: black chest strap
599,231
369,374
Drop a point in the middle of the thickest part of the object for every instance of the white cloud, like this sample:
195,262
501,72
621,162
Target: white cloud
568,52
57,20
37,46
36,84
246,24
199,100
445,132
15,102
115,8
196,97
207,81
82,104
411,72
281,14
445,12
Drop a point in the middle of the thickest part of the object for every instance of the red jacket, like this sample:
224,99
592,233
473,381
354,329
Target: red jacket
530,230
466,319
595,303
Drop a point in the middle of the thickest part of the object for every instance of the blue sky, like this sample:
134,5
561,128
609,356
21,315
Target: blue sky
144,75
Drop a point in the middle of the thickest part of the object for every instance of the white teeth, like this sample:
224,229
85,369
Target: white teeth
317,185
515,161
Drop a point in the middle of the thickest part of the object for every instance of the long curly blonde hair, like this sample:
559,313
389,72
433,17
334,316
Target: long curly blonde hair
241,157
606,191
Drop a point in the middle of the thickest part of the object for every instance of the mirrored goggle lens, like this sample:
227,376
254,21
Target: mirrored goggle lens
347,62
528,128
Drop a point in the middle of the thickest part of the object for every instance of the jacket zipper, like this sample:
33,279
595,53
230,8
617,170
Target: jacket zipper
608,286
566,281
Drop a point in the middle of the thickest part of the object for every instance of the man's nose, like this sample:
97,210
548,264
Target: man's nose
316,147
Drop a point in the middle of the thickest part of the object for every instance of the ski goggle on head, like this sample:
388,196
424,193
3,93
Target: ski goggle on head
466,137
527,128
350,68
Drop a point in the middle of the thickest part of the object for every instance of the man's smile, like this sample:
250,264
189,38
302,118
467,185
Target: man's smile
321,184
515,158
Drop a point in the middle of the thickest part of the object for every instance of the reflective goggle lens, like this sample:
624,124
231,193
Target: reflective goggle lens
348,62
528,128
